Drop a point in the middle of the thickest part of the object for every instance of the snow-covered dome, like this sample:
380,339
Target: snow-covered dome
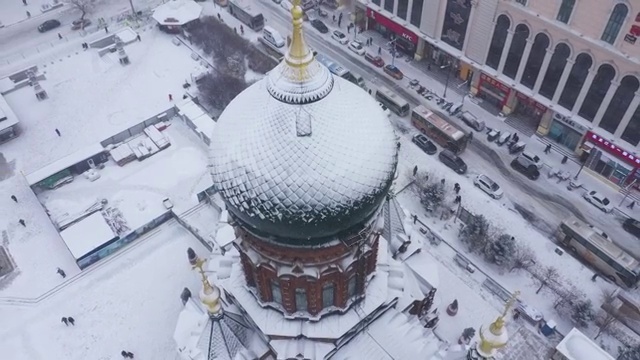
301,155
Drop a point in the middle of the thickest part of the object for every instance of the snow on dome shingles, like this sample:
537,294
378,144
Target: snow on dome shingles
315,82
298,187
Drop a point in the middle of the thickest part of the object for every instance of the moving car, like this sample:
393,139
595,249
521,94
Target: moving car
286,4
534,159
394,72
525,167
385,109
374,59
598,200
425,144
80,24
632,226
472,121
489,186
340,37
356,47
320,26
48,25
450,159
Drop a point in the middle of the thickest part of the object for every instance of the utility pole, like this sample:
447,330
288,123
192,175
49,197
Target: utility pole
133,10
393,50
446,84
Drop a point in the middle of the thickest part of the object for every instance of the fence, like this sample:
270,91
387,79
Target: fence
139,128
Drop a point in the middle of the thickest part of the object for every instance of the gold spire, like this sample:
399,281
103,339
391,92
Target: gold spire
210,295
499,339
496,326
299,55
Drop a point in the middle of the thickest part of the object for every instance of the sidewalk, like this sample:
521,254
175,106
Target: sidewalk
15,12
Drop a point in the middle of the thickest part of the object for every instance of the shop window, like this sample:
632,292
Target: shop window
534,62
599,87
576,80
388,5
351,286
328,295
498,41
554,72
276,294
403,6
632,133
301,299
456,19
416,12
377,2
616,20
515,51
566,8
619,103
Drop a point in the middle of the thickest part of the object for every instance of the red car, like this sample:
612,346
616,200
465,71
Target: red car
375,60
394,72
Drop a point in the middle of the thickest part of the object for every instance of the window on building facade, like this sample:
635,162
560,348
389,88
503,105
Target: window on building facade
301,299
388,5
351,286
377,2
514,57
522,2
575,82
328,295
632,133
566,8
616,20
456,19
619,103
498,41
403,6
276,295
416,12
597,91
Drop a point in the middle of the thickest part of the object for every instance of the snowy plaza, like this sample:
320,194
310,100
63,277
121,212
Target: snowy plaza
291,223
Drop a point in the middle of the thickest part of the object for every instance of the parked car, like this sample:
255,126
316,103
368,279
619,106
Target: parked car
286,4
277,1
472,121
489,186
425,144
356,47
385,109
534,159
450,159
340,37
374,59
48,25
632,226
394,72
598,200
320,26
525,167
80,24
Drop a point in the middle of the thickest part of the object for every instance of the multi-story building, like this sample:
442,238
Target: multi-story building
568,70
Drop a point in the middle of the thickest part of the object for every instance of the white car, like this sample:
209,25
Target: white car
532,158
286,5
356,47
385,109
599,201
339,37
489,186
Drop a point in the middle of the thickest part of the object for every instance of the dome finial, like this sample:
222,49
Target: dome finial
497,336
209,294
299,55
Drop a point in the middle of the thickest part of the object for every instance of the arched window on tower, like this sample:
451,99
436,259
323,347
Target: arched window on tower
566,8
616,20
498,41
301,299
328,295
276,294
351,286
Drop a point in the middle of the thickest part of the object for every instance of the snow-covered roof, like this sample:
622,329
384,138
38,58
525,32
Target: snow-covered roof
7,117
577,346
64,163
203,122
177,12
87,234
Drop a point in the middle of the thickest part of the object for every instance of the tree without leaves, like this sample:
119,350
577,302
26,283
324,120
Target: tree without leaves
501,250
608,316
523,257
547,276
85,6
629,352
582,313
566,298
219,89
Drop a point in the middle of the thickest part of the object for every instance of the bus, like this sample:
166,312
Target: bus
584,241
439,130
242,10
337,69
392,101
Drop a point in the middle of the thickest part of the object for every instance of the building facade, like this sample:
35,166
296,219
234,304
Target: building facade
566,69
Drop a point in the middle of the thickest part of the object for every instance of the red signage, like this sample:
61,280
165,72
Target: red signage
396,28
488,79
612,149
527,100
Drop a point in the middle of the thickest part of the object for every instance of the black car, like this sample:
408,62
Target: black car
48,25
453,161
320,26
632,226
425,144
529,170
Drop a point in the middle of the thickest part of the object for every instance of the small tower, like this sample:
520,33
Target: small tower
496,337
209,294
122,55
41,94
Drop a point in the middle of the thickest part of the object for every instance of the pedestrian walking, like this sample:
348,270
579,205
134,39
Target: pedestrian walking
62,273
547,149
24,2
398,145
415,170
22,223
594,277
415,218
58,132
138,37
106,30
72,321
379,51
28,14
235,30
456,188
124,354
130,354
442,182
170,97
370,40
348,29
14,198
334,18
59,36
340,22
369,91
241,30
65,321
630,206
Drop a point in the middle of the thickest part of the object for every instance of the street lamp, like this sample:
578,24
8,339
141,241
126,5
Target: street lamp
393,50
446,85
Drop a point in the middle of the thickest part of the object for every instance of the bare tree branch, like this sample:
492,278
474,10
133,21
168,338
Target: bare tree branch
84,6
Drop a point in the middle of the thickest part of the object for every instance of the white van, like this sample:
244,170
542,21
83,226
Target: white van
272,36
